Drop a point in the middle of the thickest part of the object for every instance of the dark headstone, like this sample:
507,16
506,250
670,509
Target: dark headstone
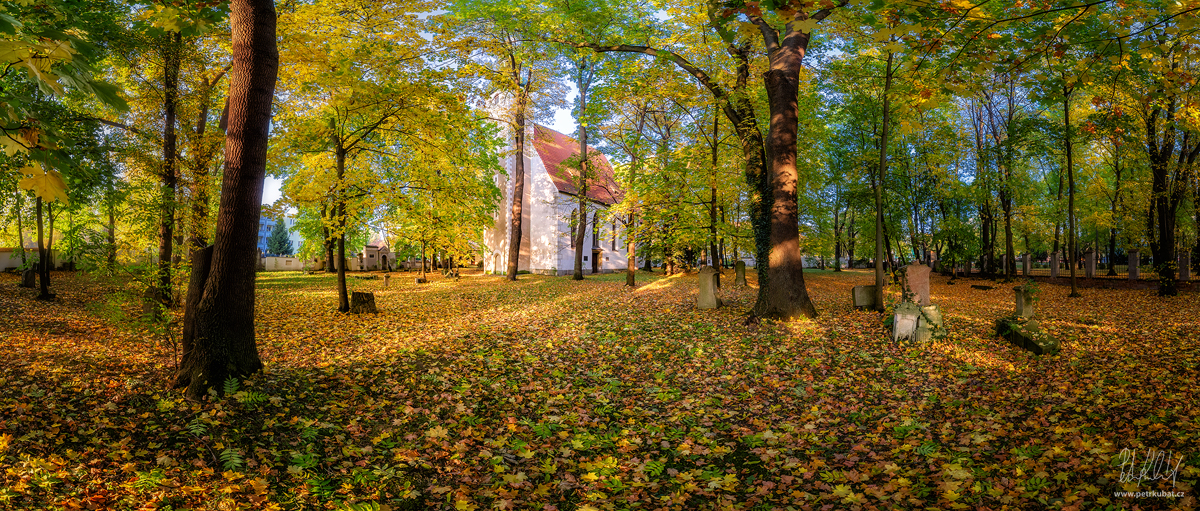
362,303
982,287
739,278
420,280
28,278
1027,334
1024,301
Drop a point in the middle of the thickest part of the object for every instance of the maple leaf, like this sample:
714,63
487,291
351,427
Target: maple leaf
44,182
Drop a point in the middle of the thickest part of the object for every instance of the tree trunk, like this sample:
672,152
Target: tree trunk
630,253
343,296
785,294
203,154
112,234
712,202
851,234
1073,258
170,173
50,236
837,239
221,344
327,242
43,259
1112,231
20,230
580,238
518,190
881,172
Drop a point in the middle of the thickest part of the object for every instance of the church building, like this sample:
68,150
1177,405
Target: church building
550,207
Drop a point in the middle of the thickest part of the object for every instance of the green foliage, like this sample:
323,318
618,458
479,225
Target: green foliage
278,243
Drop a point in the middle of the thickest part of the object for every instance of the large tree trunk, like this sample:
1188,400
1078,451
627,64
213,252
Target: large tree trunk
518,190
221,343
170,172
786,295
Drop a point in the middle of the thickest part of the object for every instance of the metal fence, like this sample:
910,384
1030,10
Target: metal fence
1104,270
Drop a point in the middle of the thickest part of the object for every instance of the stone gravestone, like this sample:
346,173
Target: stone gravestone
915,317
740,273
929,324
362,302
1185,266
1054,265
708,289
1026,263
1135,258
1022,329
863,296
1089,264
914,280
1024,302
419,280
27,278
386,279
904,324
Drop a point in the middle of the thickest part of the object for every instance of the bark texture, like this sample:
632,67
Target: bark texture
220,343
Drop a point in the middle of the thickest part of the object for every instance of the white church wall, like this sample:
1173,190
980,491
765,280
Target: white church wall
544,230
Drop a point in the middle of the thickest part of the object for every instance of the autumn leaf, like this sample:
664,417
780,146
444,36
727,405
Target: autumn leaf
45,182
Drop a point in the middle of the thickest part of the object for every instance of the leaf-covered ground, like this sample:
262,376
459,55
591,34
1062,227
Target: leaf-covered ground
554,394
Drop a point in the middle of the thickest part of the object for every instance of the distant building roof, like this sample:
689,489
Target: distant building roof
554,148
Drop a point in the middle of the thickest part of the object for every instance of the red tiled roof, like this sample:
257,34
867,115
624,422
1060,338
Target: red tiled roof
554,148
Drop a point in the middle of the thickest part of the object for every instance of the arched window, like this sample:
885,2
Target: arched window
596,230
614,235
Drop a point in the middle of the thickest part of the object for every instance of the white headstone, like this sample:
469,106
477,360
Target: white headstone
905,322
